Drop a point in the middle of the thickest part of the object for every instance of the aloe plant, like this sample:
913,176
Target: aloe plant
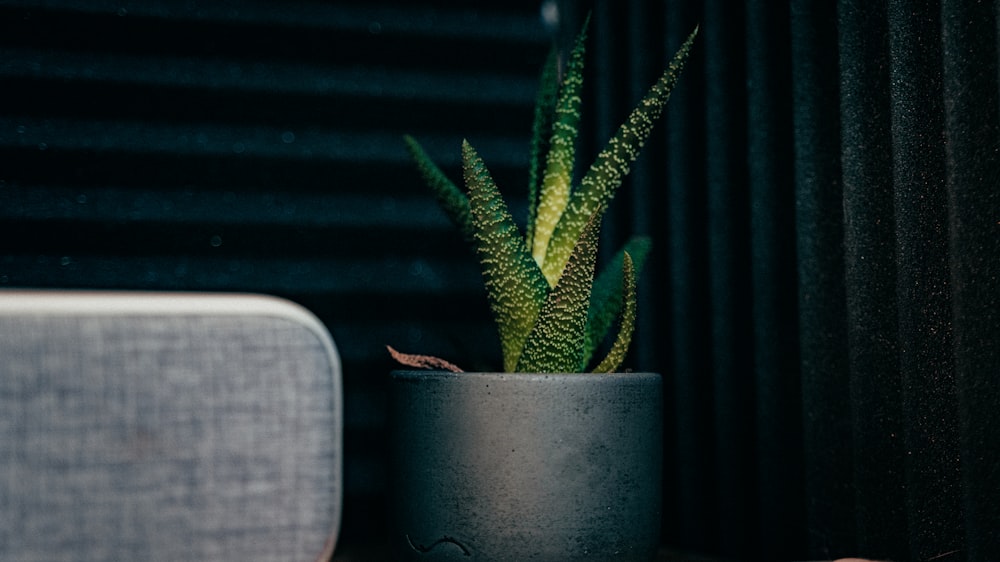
551,310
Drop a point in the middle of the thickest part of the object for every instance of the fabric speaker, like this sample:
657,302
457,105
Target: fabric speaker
141,426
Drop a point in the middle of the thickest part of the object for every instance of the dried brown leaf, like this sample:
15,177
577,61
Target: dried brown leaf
422,361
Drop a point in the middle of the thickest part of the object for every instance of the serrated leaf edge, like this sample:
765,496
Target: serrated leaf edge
514,283
555,343
613,361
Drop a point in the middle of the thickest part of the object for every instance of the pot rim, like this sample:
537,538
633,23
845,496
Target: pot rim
514,376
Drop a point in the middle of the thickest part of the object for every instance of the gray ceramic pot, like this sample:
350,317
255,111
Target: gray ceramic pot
502,466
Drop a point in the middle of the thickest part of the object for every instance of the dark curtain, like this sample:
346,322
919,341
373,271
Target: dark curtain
826,203
824,293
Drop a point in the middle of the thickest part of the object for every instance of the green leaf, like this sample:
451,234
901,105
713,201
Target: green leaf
449,196
545,108
555,344
606,298
605,175
514,283
557,184
619,349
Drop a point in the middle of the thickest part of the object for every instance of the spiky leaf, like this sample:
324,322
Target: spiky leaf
541,131
514,283
449,196
557,183
555,344
619,349
606,298
601,181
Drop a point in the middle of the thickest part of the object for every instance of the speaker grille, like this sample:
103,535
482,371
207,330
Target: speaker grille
190,436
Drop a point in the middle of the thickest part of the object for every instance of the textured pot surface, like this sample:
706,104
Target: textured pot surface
510,466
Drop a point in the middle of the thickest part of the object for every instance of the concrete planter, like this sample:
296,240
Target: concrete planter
502,466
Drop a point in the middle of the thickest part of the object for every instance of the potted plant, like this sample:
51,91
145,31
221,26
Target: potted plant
540,461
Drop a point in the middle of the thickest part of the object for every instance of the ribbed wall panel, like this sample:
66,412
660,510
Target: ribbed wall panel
257,146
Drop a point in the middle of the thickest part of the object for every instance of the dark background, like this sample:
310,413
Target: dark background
823,195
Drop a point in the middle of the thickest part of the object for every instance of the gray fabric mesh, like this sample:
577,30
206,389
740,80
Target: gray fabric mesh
165,438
